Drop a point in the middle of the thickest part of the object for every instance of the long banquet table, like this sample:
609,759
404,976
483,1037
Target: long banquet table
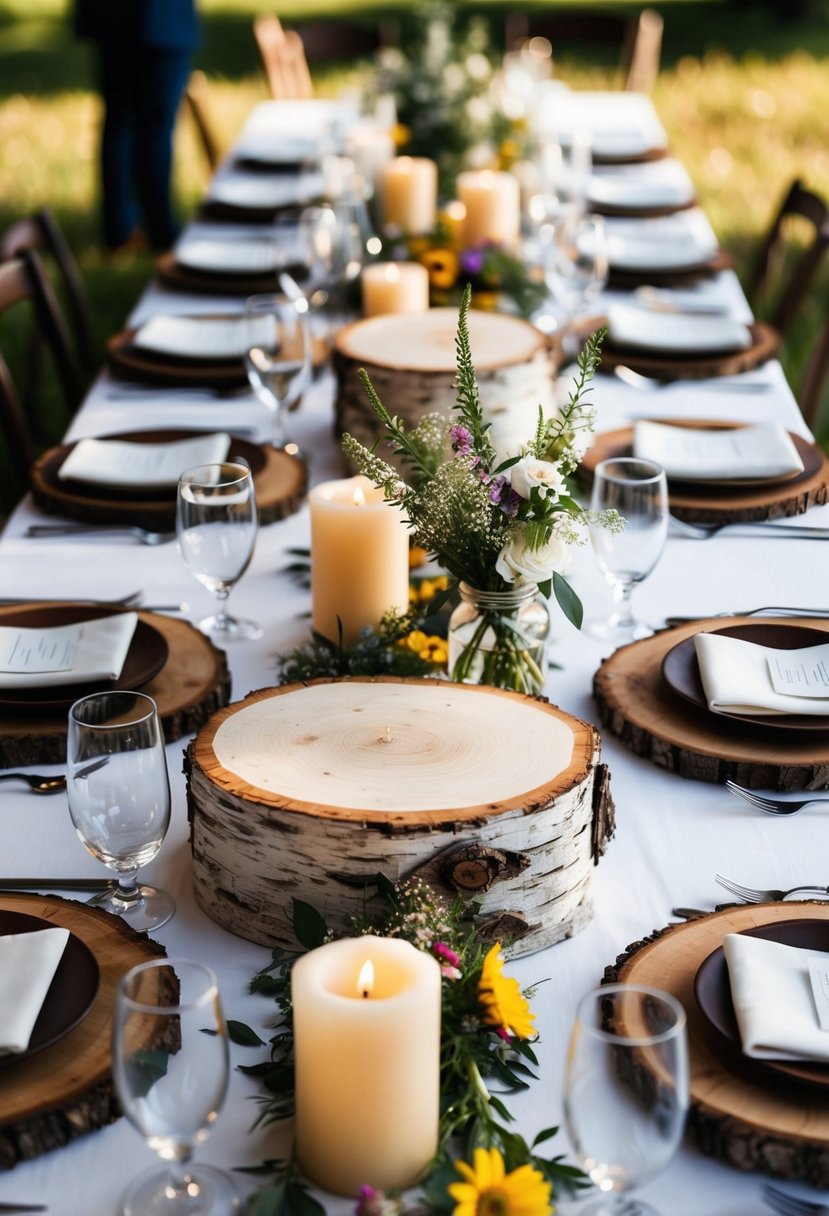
671,836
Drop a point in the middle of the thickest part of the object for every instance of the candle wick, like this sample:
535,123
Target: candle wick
365,994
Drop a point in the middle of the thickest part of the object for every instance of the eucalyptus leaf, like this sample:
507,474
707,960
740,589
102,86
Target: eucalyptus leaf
568,601
309,926
242,1035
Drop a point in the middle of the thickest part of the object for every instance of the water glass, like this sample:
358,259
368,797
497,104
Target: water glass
170,1067
216,524
638,490
575,261
119,797
626,1091
277,355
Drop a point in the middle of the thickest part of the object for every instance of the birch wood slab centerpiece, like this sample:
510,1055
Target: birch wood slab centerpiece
411,360
310,790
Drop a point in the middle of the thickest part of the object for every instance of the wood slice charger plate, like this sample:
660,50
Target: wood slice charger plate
637,705
65,1090
669,276
279,478
190,686
765,342
629,158
216,282
137,363
718,502
647,211
745,1116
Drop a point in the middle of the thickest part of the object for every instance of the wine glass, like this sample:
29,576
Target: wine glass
170,1067
216,524
331,237
574,261
119,797
626,1091
638,490
277,355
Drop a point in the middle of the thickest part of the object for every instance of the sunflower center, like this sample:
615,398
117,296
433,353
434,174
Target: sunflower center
492,1202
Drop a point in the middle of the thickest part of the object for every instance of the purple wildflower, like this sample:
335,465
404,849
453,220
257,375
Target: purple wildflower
461,439
502,495
472,261
371,1202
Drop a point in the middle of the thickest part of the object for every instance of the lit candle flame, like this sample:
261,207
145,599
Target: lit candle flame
359,497
365,980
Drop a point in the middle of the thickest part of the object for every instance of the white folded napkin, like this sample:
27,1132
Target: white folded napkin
28,962
749,453
773,1001
631,325
237,255
648,187
254,191
65,654
743,678
117,462
201,337
281,150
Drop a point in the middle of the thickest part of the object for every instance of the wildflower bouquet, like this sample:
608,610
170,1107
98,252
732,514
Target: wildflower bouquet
486,1030
501,528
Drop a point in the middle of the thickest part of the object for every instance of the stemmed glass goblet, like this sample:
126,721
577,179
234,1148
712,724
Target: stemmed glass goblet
170,1066
216,523
638,490
277,355
626,1091
119,797
574,261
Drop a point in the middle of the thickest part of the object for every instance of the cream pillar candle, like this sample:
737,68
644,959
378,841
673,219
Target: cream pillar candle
453,216
395,287
410,194
359,557
493,207
367,1063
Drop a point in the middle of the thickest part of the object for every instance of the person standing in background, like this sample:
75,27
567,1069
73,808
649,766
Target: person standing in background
144,49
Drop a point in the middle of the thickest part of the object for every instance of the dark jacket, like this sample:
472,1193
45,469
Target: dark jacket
168,24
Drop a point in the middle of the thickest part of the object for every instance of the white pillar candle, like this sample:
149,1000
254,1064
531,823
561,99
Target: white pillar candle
359,558
410,194
395,287
367,1063
493,207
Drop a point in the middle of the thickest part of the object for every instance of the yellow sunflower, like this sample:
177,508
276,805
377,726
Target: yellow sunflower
443,266
501,998
487,1190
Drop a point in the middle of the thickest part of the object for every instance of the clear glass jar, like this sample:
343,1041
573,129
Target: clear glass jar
500,638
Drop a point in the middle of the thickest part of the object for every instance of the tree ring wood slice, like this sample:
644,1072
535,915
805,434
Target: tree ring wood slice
192,685
765,343
66,1090
637,706
745,1119
310,790
715,503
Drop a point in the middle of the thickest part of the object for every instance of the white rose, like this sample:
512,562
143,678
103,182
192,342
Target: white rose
531,473
517,563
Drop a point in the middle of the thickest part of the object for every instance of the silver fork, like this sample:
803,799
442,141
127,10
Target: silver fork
122,601
679,527
750,895
789,1205
723,384
144,535
770,609
38,782
774,806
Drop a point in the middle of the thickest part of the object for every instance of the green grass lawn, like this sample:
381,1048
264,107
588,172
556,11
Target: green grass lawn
744,96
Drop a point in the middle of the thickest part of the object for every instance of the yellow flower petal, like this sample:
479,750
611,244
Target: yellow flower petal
489,1191
501,999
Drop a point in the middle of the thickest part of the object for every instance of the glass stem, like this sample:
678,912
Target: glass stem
622,591
180,1187
223,618
278,429
128,891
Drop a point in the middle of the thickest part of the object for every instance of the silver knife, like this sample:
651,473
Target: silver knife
59,884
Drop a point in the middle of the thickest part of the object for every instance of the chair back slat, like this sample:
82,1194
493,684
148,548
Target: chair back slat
283,60
638,38
197,95
792,291
816,378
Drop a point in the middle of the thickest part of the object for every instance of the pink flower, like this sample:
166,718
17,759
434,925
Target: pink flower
375,1203
446,953
450,973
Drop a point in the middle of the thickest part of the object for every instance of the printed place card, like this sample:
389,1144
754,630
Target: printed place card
800,673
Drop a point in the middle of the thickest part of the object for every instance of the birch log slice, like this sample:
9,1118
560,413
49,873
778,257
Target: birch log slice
411,362
310,790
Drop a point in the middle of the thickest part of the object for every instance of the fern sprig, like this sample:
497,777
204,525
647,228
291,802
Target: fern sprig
468,402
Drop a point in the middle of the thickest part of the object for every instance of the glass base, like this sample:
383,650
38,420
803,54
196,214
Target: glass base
223,629
209,1192
151,911
618,1205
611,629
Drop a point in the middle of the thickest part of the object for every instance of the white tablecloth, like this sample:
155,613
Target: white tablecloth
671,834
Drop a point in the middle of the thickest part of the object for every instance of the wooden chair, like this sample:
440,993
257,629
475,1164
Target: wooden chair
333,40
22,279
816,378
795,271
41,232
638,38
197,97
283,60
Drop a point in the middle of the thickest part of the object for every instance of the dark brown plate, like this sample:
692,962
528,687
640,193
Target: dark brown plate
71,993
680,671
695,365
155,497
127,359
713,993
146,656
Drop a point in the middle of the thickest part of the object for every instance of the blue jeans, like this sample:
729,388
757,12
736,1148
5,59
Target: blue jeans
142,88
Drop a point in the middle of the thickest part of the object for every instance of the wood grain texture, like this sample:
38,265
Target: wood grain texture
192,685
66,1090
740,1117
530,854
765,343
635,704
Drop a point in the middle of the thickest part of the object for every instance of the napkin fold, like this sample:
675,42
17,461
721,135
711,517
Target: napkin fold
116,462
28,962
747,453
250,192
65,654
675,333
773,1001
236,255
736,677
202,337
